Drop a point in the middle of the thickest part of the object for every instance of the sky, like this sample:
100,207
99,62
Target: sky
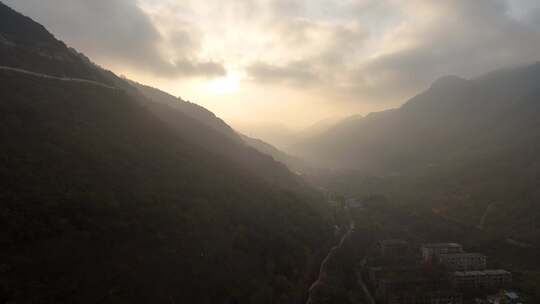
290,63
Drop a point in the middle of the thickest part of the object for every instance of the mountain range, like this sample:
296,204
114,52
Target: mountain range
112,191
458,147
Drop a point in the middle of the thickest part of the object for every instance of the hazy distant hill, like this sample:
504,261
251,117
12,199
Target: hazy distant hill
458,147
110,196
446,121
293,163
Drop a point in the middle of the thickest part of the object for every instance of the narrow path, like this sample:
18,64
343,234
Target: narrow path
322,269
484,216
363,285
79,80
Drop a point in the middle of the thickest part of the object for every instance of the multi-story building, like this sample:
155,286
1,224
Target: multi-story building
393,248
426,297
484,279
431,251
462,261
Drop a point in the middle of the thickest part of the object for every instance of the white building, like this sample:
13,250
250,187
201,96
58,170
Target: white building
485,279
431,251
463,261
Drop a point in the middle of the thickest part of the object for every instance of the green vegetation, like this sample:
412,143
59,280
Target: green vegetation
115,196
456,149
458,162
103,202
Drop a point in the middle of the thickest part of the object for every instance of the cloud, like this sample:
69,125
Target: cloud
297,73
360,52
383,52
200,68
460,37
118,33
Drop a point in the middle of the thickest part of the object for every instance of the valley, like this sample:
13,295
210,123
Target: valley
113,190
376,221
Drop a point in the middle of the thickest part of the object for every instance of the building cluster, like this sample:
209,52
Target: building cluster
440,273
481,279
467,270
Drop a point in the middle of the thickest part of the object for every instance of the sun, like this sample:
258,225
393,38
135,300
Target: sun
225,85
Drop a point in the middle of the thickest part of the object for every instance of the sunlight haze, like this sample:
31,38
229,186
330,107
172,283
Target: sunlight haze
292,62
270,151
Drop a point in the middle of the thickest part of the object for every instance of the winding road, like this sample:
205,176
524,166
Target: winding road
322,269
484,216
78,80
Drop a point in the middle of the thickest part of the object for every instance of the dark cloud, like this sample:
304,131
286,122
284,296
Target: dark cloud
114,32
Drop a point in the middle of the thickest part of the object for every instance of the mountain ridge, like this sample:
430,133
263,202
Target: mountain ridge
456,147
108,196
465,103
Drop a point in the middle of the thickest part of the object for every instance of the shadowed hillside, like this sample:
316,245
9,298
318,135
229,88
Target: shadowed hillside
107,196
205,129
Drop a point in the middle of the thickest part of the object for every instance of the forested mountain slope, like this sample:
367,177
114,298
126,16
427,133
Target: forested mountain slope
193,110
105,199
252,152
205,129
457,148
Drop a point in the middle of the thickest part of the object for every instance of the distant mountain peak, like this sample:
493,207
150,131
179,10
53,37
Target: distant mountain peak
449,81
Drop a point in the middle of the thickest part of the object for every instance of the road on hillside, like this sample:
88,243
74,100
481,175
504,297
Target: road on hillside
79,80
484,216
323,267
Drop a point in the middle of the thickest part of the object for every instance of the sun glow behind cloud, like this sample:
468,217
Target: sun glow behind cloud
224,85
358,55
293,62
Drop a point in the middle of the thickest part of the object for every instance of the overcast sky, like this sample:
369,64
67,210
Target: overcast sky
293,62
